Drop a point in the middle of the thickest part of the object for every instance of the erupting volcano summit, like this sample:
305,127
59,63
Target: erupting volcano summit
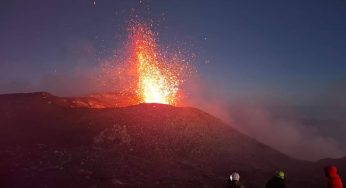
158,77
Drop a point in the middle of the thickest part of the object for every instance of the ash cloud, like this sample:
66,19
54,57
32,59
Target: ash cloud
286,129
303,132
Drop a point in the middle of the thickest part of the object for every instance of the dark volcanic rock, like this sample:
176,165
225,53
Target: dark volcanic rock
44,142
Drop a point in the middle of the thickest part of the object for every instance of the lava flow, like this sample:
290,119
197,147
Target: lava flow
158,79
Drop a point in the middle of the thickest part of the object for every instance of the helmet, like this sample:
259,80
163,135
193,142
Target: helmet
234,176
280,174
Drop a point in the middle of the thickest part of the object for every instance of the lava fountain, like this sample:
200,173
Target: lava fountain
158,78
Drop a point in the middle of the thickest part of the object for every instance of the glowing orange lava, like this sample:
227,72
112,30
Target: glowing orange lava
157,80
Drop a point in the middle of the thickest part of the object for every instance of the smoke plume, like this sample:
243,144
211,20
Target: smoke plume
297,131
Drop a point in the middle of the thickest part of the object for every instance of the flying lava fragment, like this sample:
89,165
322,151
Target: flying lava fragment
158,78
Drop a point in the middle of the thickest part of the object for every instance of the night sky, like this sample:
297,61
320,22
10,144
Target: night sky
291,50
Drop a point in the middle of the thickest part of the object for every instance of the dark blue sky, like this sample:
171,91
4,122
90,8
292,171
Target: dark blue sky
291,49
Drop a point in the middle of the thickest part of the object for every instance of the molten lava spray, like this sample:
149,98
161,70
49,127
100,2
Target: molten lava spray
158,78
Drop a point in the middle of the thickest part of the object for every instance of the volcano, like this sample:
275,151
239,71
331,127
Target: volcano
49,141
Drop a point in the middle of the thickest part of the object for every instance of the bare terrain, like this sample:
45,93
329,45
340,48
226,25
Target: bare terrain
48,141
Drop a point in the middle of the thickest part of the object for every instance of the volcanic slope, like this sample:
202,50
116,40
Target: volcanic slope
46,143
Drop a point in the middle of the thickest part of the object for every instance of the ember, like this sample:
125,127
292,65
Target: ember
158,79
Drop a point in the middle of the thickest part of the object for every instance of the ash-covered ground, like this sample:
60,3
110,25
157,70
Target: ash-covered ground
48,141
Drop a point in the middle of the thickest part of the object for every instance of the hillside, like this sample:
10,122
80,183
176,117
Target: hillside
47,142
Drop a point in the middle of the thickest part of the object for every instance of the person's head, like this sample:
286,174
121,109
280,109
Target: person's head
234,176
280,174
331,171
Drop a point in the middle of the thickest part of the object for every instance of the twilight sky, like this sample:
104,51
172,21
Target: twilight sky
291,49
288,50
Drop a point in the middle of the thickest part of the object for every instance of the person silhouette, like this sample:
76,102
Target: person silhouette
233,181
334,180
277,181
